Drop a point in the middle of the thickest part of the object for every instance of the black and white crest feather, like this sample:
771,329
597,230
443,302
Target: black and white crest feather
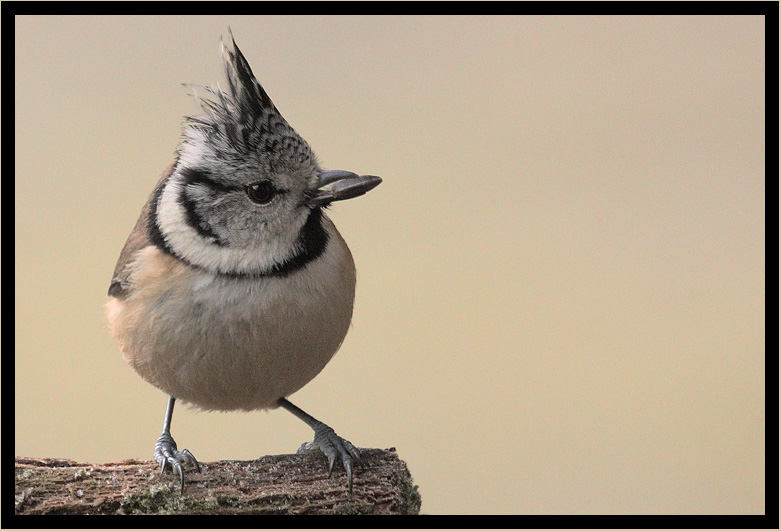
243,123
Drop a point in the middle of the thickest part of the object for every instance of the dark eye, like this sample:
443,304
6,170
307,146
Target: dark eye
261,192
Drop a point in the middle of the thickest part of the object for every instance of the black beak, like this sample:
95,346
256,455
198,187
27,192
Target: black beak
347,185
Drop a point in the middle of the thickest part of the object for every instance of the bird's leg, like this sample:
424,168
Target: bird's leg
166,453
328,442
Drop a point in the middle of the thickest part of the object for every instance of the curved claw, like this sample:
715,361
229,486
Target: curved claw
331,462
176,468
348,466
167,454
190,458
334,446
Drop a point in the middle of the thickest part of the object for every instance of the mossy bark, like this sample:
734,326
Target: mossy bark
277,484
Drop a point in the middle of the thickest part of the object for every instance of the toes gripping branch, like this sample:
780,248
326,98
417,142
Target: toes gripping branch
334,447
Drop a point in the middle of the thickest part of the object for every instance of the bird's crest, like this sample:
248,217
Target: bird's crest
242,121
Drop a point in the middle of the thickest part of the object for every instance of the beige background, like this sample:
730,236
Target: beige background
560,305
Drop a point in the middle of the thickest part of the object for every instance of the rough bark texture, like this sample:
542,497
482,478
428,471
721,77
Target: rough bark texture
276,484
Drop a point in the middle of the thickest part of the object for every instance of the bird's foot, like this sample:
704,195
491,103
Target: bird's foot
167,455
334,447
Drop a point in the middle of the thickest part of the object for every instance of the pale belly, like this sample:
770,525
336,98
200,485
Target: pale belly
227,344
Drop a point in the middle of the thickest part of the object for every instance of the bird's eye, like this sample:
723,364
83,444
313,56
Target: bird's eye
261,192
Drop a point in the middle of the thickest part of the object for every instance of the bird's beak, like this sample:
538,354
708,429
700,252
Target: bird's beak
346,185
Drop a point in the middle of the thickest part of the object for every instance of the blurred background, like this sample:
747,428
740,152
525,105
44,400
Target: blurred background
560,302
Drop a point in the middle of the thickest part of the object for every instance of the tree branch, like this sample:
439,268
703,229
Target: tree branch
276,484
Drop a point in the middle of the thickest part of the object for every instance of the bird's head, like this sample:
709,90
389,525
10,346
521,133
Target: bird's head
246,192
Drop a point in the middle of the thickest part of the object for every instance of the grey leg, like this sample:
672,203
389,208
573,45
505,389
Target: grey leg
166,453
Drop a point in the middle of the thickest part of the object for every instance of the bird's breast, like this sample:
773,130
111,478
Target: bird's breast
227,342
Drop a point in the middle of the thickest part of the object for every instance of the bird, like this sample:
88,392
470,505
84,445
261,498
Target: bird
234,289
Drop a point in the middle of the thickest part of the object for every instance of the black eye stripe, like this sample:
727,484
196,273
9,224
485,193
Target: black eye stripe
201,178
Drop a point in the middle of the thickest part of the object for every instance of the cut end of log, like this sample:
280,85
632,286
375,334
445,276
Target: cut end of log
275,484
